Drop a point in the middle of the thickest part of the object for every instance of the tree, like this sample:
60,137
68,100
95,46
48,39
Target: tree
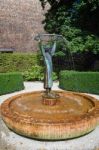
77,20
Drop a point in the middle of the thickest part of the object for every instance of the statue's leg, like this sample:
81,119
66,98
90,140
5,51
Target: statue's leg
48,73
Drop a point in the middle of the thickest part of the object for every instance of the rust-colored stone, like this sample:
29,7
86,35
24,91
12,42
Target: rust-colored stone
49,101
73,115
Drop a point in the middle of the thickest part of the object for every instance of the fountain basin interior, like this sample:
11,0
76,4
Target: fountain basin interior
73,115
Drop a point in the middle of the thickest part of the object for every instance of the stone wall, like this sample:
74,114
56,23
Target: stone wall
20,21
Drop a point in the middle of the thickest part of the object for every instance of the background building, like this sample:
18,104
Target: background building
20,21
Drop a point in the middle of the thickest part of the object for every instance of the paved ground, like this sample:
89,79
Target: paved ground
11,141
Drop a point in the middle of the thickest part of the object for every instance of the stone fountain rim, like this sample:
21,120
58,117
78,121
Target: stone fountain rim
90,120
92,99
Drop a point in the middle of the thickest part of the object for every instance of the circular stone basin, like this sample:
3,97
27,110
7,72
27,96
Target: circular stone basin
73,115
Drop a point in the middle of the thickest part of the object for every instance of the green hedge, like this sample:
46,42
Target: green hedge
10,82
29,64
87,82
18,62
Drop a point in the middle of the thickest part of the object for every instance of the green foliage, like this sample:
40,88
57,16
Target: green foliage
10,82
77,21
36,73
80,41
54,76
17,61
79,81
30,65
86,15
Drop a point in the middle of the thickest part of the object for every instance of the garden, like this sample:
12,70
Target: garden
49,97
75,61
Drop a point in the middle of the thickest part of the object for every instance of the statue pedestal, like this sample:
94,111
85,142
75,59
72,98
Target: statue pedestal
50,98
49,101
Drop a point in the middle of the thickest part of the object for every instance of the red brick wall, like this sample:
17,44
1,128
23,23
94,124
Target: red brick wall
20,21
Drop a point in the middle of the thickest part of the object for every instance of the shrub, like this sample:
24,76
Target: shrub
30,65
10,82
17,62
36,73
79,81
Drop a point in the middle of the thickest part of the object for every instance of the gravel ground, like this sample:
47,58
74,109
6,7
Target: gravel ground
11,141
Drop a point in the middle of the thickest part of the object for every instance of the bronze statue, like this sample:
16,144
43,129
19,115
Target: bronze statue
48,50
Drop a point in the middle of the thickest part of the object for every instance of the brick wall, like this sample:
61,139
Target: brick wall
20,21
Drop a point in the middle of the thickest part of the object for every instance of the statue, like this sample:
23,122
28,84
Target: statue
48,50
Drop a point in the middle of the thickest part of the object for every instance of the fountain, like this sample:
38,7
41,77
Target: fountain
50,115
